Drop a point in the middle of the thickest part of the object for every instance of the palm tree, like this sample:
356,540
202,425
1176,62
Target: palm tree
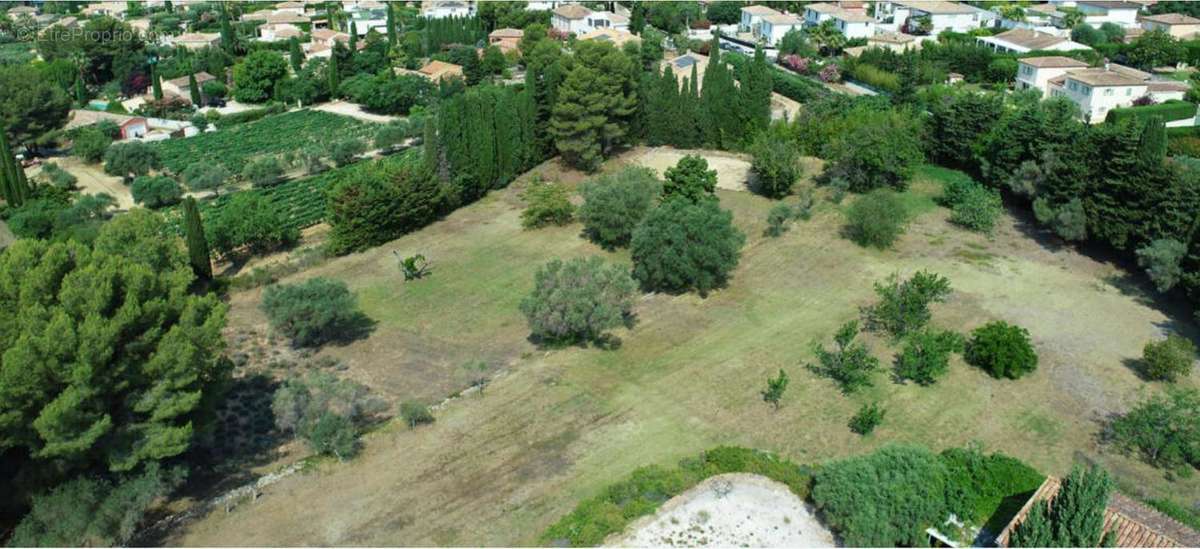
827,37
1071,17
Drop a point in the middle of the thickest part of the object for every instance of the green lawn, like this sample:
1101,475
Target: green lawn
556,426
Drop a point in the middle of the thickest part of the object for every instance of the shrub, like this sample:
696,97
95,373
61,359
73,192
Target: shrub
777,219
1001,349
248,222
578,300
1068,221
325,411
214,88
926,355
977,209
980,484
683,245
129,160
205,176
1168,111
850,364
876,219
869,417
776,165
312,312
547,204
613,205
414,413
90,144
904,306
58,177
883,499
1163,429
691,179
775,388
345,151
381,201
1161,259
1077,517
263,171
156,191
876,149
1169,359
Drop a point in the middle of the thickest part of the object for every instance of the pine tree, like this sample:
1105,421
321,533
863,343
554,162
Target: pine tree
194,89
197,244
297,56
156,82
579,118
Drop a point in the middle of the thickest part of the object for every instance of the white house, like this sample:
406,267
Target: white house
751,15
111,9
544,5
1036,72
853,23
439,9
195,40
772,28
1099,12
367,19
1099,90
905,15
274,32
1026,40
1177,25
576,19
296,8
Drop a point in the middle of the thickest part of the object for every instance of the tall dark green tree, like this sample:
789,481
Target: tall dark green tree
156,81
720,104
1076,518
194,89
80,91
755,94
13,183
353,37
228,36
391,25
197,245
332,73
295,54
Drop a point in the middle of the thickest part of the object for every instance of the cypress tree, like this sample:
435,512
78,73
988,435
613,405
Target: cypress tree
1153,147
156,82
756,93
194,89
227,36
197,244
353,37
391,25
80,91
14,185
297,56
332,69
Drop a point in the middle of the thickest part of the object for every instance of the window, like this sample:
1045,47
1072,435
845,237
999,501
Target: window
1071,85
1108,91
1128,91
1086,90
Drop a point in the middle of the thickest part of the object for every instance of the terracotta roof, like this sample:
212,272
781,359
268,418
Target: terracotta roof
617,37
1129,71
182,81
1104,78
572,11
936,6
822,7
197,37
781,19
1053,62
1133,524
1031,39
507,33
289,5
438,69
1111,4
287,17
260,15
853,17
1167,86
759,10
1171,19
1044,9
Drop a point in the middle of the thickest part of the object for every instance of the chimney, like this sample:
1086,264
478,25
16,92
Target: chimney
1105,64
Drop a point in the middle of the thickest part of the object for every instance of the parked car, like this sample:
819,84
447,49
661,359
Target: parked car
216,102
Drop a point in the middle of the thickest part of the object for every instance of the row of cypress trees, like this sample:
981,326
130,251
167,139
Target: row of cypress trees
14,187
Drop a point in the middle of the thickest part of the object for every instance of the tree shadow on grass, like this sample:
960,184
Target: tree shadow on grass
358,327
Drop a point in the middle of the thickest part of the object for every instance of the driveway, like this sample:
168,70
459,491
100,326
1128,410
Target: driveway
355,110
93,180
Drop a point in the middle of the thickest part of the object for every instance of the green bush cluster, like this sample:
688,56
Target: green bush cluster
876,219
903,306
1163,429
546,204
579,300
1169,359
613,205
1002,350
869,417
649,487
312,312
972,205
1168,111
325,411
380,202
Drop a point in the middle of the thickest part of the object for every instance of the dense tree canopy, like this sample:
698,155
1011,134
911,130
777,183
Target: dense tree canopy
30,104
682,246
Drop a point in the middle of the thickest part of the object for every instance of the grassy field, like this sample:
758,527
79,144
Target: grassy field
276,134
555,426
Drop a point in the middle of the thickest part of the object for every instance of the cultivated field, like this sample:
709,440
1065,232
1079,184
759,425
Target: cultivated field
555,426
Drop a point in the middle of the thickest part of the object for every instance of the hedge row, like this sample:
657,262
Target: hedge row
649,487
792,86
1170,110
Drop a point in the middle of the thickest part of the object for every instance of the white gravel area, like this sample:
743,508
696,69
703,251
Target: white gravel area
733,510
733,170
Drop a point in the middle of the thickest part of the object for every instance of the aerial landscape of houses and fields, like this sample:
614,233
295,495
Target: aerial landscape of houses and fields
577,273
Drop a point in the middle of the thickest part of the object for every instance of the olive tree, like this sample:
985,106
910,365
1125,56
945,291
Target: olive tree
578,300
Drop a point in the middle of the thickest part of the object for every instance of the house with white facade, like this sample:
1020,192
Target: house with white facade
1036,72
577,19
853,23
772,28
906,15
440,9
367,19
111,9
1099,90
751,15
195,40
1026,40
1180,26
276,32
1099,12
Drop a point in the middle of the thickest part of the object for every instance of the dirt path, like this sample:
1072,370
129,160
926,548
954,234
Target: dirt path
354,110
93,180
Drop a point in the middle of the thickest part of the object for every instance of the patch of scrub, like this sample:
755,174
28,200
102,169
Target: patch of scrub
732,510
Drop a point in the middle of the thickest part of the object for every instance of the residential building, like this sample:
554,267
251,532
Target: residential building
1099,90
853,23
751,15
1180,26
506,39
544,5
439,70
895,41
134,128
617,37
1099,12
772,28
907,15
366,20
181,87
1036,72
274,32
195,40
111,9
577,19
439,9
290,7
1026,40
